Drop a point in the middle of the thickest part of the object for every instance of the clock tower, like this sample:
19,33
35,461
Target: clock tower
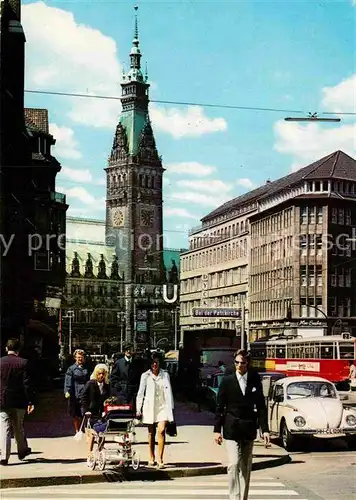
134,190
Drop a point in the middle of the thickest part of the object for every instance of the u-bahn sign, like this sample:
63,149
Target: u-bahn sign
216,312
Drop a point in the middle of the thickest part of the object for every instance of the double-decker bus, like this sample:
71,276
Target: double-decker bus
325,356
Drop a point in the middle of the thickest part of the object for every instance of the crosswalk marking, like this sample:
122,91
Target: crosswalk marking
194,488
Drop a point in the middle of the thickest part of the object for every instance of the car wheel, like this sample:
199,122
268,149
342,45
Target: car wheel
288,441
351,443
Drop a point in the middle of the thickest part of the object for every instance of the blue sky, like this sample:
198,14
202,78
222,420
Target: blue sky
295,55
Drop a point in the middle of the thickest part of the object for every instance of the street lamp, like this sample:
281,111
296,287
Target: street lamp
70,316
313,117
289,315
120,318
289,311
176,309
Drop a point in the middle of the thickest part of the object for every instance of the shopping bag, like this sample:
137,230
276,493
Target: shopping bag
171,429
80,434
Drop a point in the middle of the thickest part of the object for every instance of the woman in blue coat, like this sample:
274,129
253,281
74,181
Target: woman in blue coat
75,379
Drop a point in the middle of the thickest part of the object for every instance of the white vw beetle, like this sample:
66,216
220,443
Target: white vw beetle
309,406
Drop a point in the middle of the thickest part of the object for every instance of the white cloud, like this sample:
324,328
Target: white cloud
201,198
81,195
64,55
188,122
87,212
307,143
191,168
80,175
66,145
311,141
77,174
341,97
247,183
209,186
179,212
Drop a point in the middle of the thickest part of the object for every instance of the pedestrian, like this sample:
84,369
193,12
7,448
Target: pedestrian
352,376
241,409
16,397
125,377
95,392
75,379
155,405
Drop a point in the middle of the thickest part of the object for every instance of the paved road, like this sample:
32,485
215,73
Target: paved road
263,487
325,468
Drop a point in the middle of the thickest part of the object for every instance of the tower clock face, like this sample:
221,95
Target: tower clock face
147,217
118,218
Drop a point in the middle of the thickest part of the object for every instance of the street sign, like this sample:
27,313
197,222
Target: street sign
216,312
141,326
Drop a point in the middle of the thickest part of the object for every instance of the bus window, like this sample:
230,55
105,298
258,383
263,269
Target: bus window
346,351
271,351
326,351
280,351
317,351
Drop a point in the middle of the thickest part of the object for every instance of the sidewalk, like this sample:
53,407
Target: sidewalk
61,460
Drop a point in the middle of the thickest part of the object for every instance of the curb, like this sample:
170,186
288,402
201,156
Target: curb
130,475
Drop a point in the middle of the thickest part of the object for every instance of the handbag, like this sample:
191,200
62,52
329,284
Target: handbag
171,429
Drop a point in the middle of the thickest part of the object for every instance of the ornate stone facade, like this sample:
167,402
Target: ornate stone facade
134,205
96,293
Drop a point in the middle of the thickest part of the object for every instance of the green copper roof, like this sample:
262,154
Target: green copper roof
133,122
170,254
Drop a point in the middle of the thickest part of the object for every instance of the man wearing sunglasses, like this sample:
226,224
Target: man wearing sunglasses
240,411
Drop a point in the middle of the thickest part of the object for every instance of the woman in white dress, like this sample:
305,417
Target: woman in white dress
155,404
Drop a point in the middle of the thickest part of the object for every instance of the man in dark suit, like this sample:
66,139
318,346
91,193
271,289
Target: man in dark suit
241,409
16,397
125,377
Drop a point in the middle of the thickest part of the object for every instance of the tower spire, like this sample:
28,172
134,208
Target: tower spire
135,73
136,24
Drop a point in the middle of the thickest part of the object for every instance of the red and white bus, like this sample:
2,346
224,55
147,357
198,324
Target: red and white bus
325,356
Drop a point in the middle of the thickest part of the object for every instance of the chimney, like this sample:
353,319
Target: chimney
268,181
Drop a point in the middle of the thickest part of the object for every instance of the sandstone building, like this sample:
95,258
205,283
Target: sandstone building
285,251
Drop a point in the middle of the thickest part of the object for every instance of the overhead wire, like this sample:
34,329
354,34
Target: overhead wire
185,103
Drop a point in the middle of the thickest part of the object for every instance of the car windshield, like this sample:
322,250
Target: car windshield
310,390
212,358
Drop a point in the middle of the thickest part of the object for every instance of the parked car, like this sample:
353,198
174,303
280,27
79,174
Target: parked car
267,378
301,407
212,390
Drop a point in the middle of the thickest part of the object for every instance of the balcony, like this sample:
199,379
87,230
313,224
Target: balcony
58,197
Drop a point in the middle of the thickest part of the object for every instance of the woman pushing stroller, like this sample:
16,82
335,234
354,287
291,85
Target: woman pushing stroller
96,391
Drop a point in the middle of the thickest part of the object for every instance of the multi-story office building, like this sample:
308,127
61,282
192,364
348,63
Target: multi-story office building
285,251
214,271
302,261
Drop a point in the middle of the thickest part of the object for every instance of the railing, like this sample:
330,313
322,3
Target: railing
58,197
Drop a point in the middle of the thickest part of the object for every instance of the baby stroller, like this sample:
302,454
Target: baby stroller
114,436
